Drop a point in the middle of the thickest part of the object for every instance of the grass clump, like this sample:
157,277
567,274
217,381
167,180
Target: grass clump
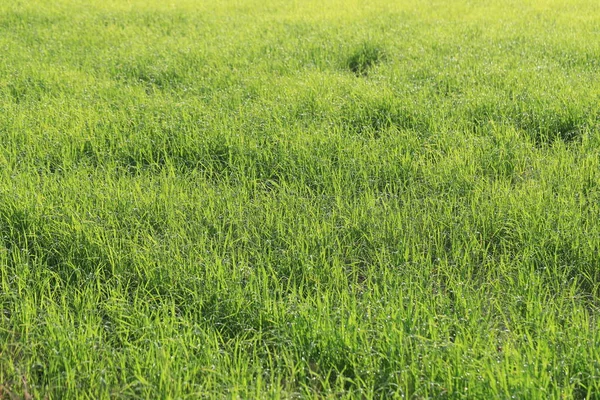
364,57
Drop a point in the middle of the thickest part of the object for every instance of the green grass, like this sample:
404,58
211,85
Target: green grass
280,199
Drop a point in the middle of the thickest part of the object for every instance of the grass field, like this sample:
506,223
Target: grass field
289,199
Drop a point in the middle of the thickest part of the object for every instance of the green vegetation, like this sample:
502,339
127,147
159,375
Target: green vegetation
274,198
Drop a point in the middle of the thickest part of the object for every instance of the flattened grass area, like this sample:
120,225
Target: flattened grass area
281,199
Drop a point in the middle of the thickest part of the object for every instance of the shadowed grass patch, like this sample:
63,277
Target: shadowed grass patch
364,57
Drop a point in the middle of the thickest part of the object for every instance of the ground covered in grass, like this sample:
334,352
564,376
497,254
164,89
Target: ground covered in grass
299,199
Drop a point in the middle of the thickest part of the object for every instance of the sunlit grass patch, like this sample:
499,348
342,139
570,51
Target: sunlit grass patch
299,199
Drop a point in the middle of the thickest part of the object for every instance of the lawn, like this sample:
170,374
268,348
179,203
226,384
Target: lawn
300,199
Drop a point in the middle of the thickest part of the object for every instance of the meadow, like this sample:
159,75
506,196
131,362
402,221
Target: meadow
300,199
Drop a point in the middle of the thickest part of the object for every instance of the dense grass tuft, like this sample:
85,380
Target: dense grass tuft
365,57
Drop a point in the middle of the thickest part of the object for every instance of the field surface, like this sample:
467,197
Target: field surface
300,199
